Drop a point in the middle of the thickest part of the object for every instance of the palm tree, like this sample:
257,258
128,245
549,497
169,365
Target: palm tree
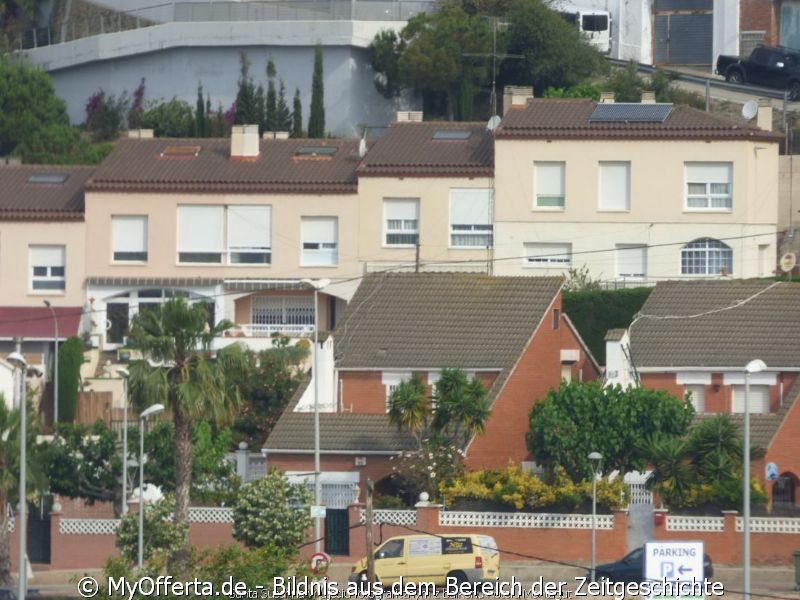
462,406
409,408
673,471
180,372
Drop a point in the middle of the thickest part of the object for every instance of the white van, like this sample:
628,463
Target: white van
467,557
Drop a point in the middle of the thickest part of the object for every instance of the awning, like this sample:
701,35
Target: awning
37,323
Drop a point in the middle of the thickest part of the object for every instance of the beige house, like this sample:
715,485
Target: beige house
633,192
236,223
426,194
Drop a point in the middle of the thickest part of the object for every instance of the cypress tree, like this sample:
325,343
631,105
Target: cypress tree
272,98
297,115
316,118
283,116
200,126
246,95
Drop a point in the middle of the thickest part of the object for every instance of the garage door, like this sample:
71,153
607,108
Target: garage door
758,400
683,32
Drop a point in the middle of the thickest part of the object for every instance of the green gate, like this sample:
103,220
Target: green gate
337,531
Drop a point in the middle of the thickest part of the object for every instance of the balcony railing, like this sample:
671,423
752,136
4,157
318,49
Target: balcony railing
259,330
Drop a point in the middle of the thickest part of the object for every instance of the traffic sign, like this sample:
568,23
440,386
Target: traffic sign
673,561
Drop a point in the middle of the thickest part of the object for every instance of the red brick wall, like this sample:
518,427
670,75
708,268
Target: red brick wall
785,449
760,15
363,391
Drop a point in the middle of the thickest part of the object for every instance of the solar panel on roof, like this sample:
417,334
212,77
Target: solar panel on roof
452,134
630,112
316,151
51,178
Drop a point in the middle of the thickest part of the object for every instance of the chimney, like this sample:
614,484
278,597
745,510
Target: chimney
244,141
275,135
607,97
648,97
406,116
140,133
764,117
515,95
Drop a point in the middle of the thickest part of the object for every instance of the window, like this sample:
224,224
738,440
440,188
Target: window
249,234
706,257
548,255
401,217
47,267
200,234
320,245
470,220
296,312
391,380
129,235
615,186
549,180
697,397
631,260
757,399
556,316
708,186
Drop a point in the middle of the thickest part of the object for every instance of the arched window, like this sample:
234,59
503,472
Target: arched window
706,257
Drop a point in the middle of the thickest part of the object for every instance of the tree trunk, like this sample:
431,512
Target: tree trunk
5,545
183,484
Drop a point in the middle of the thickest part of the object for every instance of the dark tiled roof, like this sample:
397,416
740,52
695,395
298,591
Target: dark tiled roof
435,320
409,148
36,322
138,164
338,432
569,119
22,200
720,324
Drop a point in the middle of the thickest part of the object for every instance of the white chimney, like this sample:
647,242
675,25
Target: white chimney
764,116
516,95
244,141
275,135
405,116
607,97
648,97
140,133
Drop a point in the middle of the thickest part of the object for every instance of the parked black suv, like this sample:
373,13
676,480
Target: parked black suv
770,66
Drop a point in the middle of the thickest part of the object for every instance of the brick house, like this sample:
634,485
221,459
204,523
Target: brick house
510,332
693,339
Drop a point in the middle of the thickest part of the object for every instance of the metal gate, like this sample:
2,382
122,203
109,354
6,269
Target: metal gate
683,32
640,510
39,530
337,531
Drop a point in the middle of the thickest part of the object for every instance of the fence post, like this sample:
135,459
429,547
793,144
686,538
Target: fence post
242,465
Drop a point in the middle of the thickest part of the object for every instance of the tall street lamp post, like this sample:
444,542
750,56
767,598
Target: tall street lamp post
147,412
595,458
317,284
754,366
55,364
123,372
18,361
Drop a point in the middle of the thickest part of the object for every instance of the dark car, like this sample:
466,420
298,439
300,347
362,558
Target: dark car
770,66
630,568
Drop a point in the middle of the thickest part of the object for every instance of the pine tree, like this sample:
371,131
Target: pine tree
316,118
297,115
246,95
261,110
283,116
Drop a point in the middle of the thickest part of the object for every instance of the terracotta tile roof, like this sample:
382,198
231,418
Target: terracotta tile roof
435,320
409,148
23,200
338,432
36,322
718,324
569,119
143,165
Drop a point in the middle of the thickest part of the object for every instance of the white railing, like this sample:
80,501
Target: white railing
770,525
455,518
258,330
391,516
686,523
11,523
88,526
210,514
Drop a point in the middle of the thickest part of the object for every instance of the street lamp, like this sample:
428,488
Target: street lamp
55,364
19,362
123,372
147,412
754,366
317,284
595,458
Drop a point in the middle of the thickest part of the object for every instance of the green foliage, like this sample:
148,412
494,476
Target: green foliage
136,110
579,279
174,118
410,408
283,116
594,312
628,85
297,115
59,143
384,58
580,418
84,462
554,53
70,359
582,90
257,567
200,114
162,536
316,117
272,512
246,106
520,489
271,377
435,464
271,109
105,115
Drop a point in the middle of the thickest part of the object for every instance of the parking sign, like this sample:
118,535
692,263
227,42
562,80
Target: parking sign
673,562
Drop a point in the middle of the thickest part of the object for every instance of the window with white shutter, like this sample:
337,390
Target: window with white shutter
320,245
249,234
470,218
549,182
401,221
615,186
129,238
201,234
631,260
697,397
47,264
757,399
709,186
548,255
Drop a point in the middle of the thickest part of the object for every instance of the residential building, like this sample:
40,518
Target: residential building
633,192
693,339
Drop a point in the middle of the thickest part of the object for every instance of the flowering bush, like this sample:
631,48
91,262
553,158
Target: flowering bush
161,536
427,469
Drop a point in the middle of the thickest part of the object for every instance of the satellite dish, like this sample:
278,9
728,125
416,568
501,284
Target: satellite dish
493,123
362,147
750,109
788,262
